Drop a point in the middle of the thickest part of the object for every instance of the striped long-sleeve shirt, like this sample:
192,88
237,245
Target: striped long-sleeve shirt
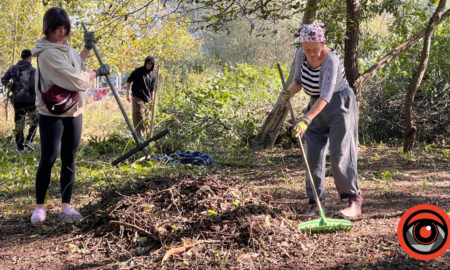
323,81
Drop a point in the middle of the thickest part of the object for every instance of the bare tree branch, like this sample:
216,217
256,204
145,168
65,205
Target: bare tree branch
373,70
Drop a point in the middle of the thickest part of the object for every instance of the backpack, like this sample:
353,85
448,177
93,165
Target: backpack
21,84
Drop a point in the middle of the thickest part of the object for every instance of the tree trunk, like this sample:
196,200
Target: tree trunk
410,128
351,44
310,12
275,120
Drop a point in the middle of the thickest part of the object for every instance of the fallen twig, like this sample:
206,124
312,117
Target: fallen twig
289,202
183,248
138,229
74,238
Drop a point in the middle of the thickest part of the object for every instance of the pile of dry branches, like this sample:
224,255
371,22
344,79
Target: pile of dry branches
382,118
198,221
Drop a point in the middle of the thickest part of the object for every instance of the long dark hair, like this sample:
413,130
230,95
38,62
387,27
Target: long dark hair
53,18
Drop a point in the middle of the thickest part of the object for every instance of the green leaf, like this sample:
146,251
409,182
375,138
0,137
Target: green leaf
267,220
73,248
142,239
148,207
27,202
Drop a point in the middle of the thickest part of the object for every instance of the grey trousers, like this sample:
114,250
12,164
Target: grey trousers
334,128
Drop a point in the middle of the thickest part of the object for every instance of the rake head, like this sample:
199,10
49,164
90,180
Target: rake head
325,225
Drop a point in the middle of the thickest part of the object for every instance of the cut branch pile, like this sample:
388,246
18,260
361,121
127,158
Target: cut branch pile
200,221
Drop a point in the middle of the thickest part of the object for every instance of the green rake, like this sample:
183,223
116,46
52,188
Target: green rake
325,225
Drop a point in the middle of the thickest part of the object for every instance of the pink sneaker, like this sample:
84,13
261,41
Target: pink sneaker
69,214
39,215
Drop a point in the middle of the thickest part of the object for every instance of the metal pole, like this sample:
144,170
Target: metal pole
140,147
116,96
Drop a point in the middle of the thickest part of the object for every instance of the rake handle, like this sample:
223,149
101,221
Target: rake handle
311,181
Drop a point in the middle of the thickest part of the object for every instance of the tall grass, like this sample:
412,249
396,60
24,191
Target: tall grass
100,118
7,116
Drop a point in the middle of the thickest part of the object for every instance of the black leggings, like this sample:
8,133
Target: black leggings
56,132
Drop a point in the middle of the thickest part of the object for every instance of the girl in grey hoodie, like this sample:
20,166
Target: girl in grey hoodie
59,64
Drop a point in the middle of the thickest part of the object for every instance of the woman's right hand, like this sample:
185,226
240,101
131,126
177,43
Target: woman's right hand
301,127
89,40
102,70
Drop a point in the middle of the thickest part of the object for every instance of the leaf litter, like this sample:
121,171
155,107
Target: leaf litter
226,221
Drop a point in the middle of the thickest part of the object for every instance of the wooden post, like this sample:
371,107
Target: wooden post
154,101
8,96
120,82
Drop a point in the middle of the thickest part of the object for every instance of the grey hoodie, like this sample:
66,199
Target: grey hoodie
59,64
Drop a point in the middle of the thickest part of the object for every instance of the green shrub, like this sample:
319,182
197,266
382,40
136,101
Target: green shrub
225,110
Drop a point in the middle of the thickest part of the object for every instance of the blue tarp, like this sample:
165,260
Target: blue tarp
188,157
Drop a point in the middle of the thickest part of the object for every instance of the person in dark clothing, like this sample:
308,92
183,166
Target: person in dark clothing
23,99
142,83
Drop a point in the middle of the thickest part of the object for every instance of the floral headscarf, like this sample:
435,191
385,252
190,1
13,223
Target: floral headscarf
311,33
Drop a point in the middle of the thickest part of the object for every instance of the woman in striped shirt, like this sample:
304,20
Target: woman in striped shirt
330,120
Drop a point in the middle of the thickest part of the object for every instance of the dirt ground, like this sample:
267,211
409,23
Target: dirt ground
243,214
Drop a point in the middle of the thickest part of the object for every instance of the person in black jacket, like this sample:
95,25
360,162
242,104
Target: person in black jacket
23,99
142,83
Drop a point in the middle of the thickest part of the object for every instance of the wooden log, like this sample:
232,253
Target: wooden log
275,120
